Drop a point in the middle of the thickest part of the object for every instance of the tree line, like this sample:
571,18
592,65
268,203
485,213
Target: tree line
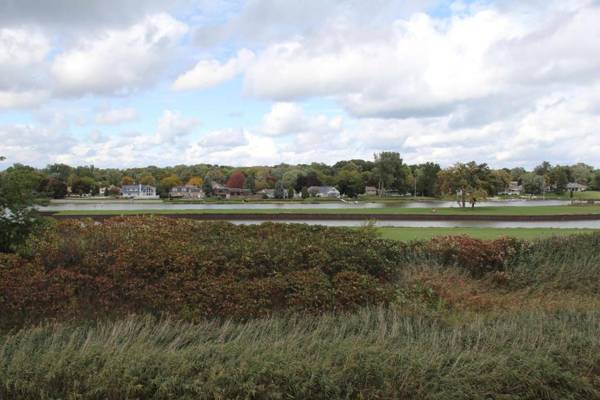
387,172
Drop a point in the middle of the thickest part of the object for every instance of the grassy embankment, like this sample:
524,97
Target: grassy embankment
408,234
587,195
466,319
515,211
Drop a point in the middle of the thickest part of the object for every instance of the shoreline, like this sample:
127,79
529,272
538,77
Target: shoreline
334,216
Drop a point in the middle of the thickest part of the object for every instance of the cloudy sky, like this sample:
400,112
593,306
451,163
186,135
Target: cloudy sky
142,82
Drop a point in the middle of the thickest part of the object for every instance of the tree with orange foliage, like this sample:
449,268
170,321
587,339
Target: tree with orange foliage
195,181
127,180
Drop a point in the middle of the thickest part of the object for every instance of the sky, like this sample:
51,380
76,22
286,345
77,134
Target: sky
260,82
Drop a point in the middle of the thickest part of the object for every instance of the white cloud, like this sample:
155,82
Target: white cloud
501,82
173,125
32,144
421,67
116,116
118,61
424,66
254,150
284,118
20,47
209,73
81,14
22,54
223,139
287,118
23,99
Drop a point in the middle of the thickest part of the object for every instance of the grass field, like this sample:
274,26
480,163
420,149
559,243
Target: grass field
408,234
539,210
587,195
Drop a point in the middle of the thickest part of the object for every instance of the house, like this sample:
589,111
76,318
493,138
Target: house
220,190
266,193
324,191
513,189
239,192
186,192
227,192
371,190
139,192
576,187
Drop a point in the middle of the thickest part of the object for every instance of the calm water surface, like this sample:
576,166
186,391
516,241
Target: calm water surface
591,224
158,205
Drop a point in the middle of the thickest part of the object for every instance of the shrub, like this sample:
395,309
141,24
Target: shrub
81,268
477,256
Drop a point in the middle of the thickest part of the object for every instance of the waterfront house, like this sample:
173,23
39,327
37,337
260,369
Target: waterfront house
576,187
139,192
186,192
220,190
371,190
513,189
324,191
266,193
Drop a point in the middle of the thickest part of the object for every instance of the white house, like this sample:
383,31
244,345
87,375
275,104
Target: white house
139,192
513,188
576,187
324,191
370,190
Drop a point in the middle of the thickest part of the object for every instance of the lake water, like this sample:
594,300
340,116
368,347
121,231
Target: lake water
86,205
590,224
159,205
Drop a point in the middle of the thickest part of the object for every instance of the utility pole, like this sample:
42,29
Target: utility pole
415,192
543,187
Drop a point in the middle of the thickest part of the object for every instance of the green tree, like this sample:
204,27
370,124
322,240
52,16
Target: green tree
59,171
532,183
290,177
470,182
596,180
147,179
559,177
350,181
499,180
250,183
390,171
517,173
582,173
304,192
83,185
426,176
18,216
279,190
207,186
169,182
56,188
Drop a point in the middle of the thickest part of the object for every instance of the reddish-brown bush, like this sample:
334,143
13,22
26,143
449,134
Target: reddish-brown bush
192,269
477,256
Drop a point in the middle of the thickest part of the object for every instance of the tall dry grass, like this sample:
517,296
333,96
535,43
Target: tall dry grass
375,353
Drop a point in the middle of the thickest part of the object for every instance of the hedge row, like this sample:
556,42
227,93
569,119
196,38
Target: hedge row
193,270
198,270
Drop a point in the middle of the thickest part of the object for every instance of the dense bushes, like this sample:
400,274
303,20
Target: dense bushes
194,270
477,256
